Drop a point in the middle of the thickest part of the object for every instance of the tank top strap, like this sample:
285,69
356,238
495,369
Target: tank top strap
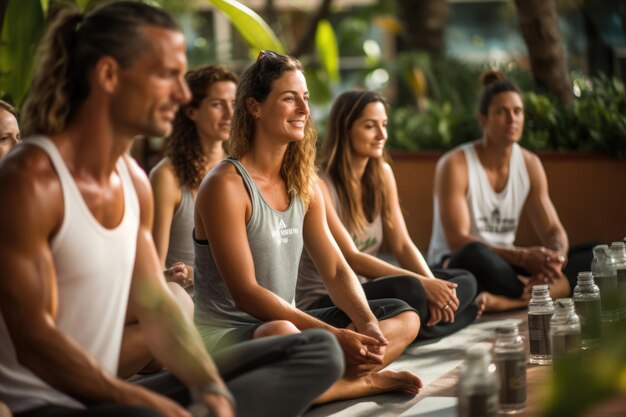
247,179
55,157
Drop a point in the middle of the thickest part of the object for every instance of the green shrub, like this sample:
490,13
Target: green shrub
595,123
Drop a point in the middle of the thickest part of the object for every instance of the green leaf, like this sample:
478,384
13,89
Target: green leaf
250,26
44,6
21,33
327,49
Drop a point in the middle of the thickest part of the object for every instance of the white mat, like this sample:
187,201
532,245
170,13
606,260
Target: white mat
429,360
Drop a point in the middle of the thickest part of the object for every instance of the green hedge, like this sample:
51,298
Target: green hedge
596,122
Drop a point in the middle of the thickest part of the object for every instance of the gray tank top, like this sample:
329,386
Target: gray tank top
276,243
180,248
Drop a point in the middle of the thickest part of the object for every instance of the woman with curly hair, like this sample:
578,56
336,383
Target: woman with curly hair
255,212
196,145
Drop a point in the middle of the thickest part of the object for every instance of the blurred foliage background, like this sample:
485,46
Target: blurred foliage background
426,56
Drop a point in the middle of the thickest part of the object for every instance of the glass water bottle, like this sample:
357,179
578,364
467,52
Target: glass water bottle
478,384
540,311
564,331
588,307
618,249
510,360
603,268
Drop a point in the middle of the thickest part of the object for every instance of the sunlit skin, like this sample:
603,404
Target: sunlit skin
214,114
369,132
504,122
155,86
9,132
285,111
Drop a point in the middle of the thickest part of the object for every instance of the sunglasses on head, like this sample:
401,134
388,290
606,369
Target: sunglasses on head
269,54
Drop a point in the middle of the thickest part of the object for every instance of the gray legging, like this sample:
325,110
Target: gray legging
278,376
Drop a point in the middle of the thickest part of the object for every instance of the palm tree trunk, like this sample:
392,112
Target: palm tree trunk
424,24
306,42
539,25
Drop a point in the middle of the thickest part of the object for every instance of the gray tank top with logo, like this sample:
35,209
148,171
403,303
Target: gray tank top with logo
275,239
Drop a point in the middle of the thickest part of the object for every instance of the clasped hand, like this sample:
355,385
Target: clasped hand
364,348
442,300
178,273
543,264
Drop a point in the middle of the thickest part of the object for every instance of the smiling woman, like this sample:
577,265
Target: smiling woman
196,144
363,210
255,213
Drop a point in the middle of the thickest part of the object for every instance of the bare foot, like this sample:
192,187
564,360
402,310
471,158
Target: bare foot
385,381
502,303
372,384
481,301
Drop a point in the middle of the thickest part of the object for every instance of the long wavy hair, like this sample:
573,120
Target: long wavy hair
70,49
183,146
298,166
336,162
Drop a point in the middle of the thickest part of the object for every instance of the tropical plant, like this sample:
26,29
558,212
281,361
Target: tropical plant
22,28
24,21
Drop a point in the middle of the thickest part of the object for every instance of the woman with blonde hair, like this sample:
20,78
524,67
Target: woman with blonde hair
363,210
255,213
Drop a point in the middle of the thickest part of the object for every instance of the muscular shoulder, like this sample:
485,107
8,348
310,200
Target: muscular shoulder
531,160
452,168
28,182
534,167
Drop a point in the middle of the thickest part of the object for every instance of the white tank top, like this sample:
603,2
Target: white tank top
93,266
494,217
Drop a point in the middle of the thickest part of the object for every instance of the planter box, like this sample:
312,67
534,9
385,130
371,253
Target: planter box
588,191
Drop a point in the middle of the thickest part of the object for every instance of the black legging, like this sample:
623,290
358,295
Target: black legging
410,290
497,276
